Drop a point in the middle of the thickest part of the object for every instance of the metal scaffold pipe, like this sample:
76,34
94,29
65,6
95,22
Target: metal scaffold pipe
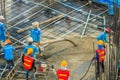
86,23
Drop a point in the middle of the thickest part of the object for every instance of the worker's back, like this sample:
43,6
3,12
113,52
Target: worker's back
2,32
8,52
35,34
35,49
102,36
63,74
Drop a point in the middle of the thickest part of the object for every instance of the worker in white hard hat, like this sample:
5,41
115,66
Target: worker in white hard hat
30,45
35,33
3,31
63,73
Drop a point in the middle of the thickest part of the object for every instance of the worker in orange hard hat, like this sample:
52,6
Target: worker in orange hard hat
3,31
63,73
28,64
8,53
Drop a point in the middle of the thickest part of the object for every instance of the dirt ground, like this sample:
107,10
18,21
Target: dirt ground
78,58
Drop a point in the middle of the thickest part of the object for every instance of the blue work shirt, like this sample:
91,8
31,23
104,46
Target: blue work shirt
8,52
35,50
102,36
2,32
119,65
35,34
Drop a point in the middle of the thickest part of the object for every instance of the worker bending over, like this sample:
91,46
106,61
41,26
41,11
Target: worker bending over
103,36
30,45
3,31
63,73
8,53
100,56
28,64
35,34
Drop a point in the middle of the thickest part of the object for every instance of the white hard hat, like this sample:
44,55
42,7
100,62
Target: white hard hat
1,17
35,24
30,39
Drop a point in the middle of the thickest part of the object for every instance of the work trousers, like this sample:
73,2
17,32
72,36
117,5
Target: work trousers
100,66
31,73
10,64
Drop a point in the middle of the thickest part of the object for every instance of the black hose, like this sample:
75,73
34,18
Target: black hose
87,70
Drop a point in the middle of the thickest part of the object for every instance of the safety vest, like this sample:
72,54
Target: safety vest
63,74
101,54
28,62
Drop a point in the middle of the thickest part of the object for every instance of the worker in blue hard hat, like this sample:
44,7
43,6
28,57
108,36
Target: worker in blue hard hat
3,30
30,45
100,56
35,33
8,53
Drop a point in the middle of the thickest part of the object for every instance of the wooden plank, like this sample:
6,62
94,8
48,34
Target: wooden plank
41,23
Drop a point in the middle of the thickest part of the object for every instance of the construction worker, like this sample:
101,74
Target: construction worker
100,56
28,64
35,33
103,36
8,53
30,45
3,31
63,73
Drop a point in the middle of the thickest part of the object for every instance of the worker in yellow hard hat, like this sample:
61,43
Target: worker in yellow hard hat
63,73
28,64
8,53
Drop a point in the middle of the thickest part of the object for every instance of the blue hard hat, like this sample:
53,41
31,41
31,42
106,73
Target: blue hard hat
100,47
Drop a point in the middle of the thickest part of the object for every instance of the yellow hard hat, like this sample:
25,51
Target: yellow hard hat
100,42
7,41
29,51
35,24
63,63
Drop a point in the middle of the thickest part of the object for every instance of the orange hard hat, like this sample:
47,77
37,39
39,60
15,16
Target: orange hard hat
8,41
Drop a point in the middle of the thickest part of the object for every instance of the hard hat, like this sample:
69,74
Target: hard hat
63,63
2,18
108,30
30,39
29,51
7,41
100,47
35,24
100,42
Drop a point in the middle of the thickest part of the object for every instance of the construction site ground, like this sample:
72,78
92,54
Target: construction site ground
82,30
78,58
